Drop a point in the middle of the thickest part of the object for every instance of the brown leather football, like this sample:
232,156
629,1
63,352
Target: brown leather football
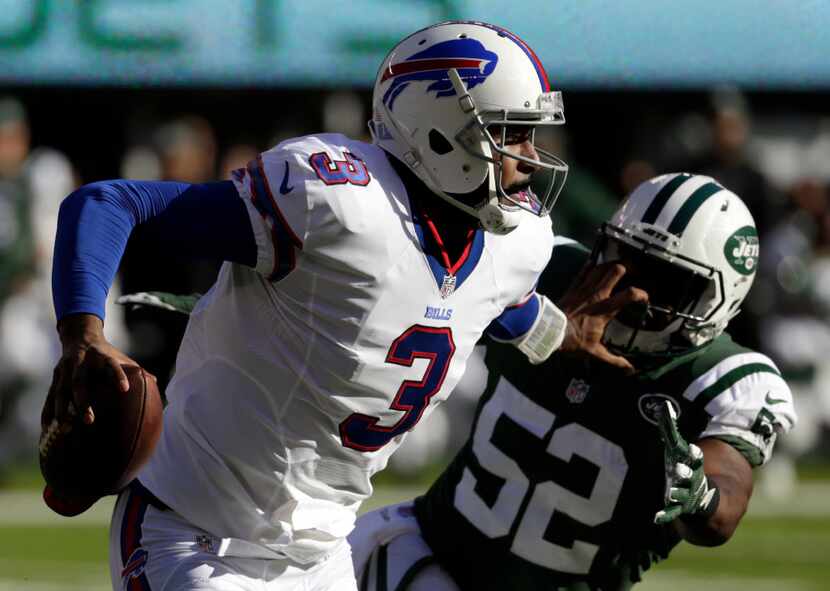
82,463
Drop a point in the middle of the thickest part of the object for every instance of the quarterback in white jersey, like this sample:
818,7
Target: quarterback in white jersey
358,278
357,342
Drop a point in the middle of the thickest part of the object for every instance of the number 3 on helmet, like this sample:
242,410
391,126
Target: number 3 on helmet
443,100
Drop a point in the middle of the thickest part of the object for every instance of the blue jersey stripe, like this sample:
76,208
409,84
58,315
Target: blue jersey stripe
515,321
472,258
281,233
436,266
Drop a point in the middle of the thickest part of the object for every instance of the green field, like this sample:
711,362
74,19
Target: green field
781,546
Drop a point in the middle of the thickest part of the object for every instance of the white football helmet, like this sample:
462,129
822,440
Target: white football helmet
446,99
693,246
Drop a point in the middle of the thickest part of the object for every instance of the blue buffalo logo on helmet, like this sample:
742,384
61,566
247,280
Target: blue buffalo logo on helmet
469,57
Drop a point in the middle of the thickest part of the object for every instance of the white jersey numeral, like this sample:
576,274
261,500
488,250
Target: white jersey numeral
496,521
546,497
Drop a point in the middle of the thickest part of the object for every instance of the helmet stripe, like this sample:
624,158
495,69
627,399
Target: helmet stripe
540,69
662,197
537,64
692,204
424,65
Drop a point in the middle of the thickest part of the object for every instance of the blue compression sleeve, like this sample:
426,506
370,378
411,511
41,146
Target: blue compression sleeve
201,221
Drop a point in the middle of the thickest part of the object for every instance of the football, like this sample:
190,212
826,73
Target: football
82,463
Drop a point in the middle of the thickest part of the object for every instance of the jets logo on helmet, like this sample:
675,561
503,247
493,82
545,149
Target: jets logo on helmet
742,250
483,81
468,56
692,245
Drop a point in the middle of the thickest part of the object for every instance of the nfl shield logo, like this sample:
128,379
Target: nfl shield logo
577,391
448,286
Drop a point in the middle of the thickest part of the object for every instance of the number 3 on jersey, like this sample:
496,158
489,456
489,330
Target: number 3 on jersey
352,170
498,518
360,431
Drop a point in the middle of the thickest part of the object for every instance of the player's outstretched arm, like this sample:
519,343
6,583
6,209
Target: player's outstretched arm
94,224
590,304
708,485
728,471
201,221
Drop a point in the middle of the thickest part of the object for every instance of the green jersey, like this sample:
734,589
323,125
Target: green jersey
559,482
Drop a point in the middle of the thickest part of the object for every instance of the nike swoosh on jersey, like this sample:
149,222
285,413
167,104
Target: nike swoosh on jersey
284,188
772,401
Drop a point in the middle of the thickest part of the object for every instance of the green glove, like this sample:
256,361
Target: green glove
687,488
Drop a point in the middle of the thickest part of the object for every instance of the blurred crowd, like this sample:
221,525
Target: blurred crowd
777,166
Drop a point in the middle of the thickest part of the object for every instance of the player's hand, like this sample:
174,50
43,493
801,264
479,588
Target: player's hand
590,305
84,349
687,489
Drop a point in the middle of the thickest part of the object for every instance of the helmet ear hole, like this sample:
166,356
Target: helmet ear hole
438,143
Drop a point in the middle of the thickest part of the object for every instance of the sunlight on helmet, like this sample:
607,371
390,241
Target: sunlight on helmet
692,246
452,100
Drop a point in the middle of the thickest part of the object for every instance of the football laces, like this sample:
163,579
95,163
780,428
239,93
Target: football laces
48,437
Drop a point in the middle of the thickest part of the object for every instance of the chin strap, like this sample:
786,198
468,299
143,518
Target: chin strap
547,333
496,220
493,217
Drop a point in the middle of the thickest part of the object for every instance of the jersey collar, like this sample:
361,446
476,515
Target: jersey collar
463,268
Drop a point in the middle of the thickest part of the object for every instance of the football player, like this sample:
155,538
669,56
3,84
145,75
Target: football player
576,477
358,278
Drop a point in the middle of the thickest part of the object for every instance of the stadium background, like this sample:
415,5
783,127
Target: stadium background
189,89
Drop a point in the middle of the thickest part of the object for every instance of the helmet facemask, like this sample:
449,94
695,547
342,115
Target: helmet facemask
453,128
489,131
484,136
684,294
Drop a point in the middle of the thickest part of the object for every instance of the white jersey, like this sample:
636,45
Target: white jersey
296,381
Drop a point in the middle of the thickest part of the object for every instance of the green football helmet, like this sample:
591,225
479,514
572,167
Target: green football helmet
692,245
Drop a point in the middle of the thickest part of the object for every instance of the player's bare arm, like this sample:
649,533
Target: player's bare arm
708,484
728,471
590,304
672,446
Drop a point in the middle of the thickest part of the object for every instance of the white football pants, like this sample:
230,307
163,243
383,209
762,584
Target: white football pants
153,549
390,554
